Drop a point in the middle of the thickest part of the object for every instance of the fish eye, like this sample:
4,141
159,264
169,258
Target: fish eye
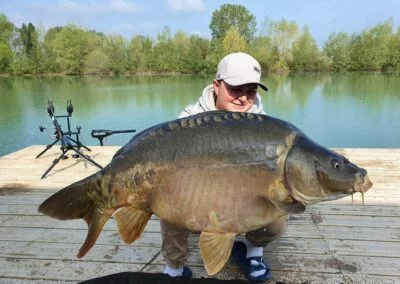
335,164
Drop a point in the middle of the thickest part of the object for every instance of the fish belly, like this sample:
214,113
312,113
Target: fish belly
229,198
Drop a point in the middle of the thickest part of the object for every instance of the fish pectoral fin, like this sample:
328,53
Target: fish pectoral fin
131,222
215,249
291,205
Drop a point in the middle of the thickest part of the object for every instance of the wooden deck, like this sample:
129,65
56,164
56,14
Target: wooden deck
332,242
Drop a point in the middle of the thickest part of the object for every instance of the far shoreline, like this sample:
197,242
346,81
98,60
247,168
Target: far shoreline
127,74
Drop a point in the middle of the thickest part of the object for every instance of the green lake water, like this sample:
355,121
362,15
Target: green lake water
335,110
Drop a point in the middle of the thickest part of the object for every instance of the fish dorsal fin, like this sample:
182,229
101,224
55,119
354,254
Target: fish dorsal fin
215,249
131,222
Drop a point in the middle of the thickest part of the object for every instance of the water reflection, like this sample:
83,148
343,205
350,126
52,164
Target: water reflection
340,110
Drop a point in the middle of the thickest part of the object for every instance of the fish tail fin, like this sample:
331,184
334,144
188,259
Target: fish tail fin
131,222
74,202
71,202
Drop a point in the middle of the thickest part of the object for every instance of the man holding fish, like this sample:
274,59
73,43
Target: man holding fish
233,89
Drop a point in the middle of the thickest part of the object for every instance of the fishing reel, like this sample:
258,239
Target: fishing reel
51,110
70,108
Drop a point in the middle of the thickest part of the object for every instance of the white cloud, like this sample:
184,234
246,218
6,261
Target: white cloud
97,7
186,5
124,6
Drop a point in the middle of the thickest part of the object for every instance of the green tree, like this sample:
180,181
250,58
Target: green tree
233,41
49,59
215,55
371,49
6,56
6,34
6,29
338,48
29,55
282,34
140,54
197,52
232,15
180,45
394,47
70,46
305,53
29,38
117,53
163,52
261,49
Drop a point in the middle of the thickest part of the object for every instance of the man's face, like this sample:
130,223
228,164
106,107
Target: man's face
234,98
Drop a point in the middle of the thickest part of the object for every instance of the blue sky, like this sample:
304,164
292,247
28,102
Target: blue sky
148,17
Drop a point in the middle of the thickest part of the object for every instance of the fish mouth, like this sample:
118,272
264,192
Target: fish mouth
362,187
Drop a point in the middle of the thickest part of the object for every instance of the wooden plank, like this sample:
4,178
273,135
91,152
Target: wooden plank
371,265
17,199
232,272
33,281
28,221
358,221
314,263
33,164
377,201
297,245
79,271
32,210
32,151
60,171
62,251
134,253
364,248
360,233
20,209
72,236
351,209
311,263
370,279
70,270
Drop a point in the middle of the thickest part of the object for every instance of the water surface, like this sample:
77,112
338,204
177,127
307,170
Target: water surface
339,110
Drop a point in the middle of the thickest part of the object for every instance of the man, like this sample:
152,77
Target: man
233,89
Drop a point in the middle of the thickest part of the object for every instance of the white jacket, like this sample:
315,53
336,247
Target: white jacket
207,103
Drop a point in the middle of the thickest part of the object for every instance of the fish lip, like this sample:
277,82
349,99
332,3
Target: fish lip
363,186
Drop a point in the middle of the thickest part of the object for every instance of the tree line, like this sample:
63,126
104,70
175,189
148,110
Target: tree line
281,46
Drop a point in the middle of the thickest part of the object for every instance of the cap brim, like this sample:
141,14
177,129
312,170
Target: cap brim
243,81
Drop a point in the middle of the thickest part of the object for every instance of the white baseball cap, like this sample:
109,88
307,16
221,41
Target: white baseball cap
238,69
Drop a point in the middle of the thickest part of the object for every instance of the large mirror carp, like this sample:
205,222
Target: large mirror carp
218,173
